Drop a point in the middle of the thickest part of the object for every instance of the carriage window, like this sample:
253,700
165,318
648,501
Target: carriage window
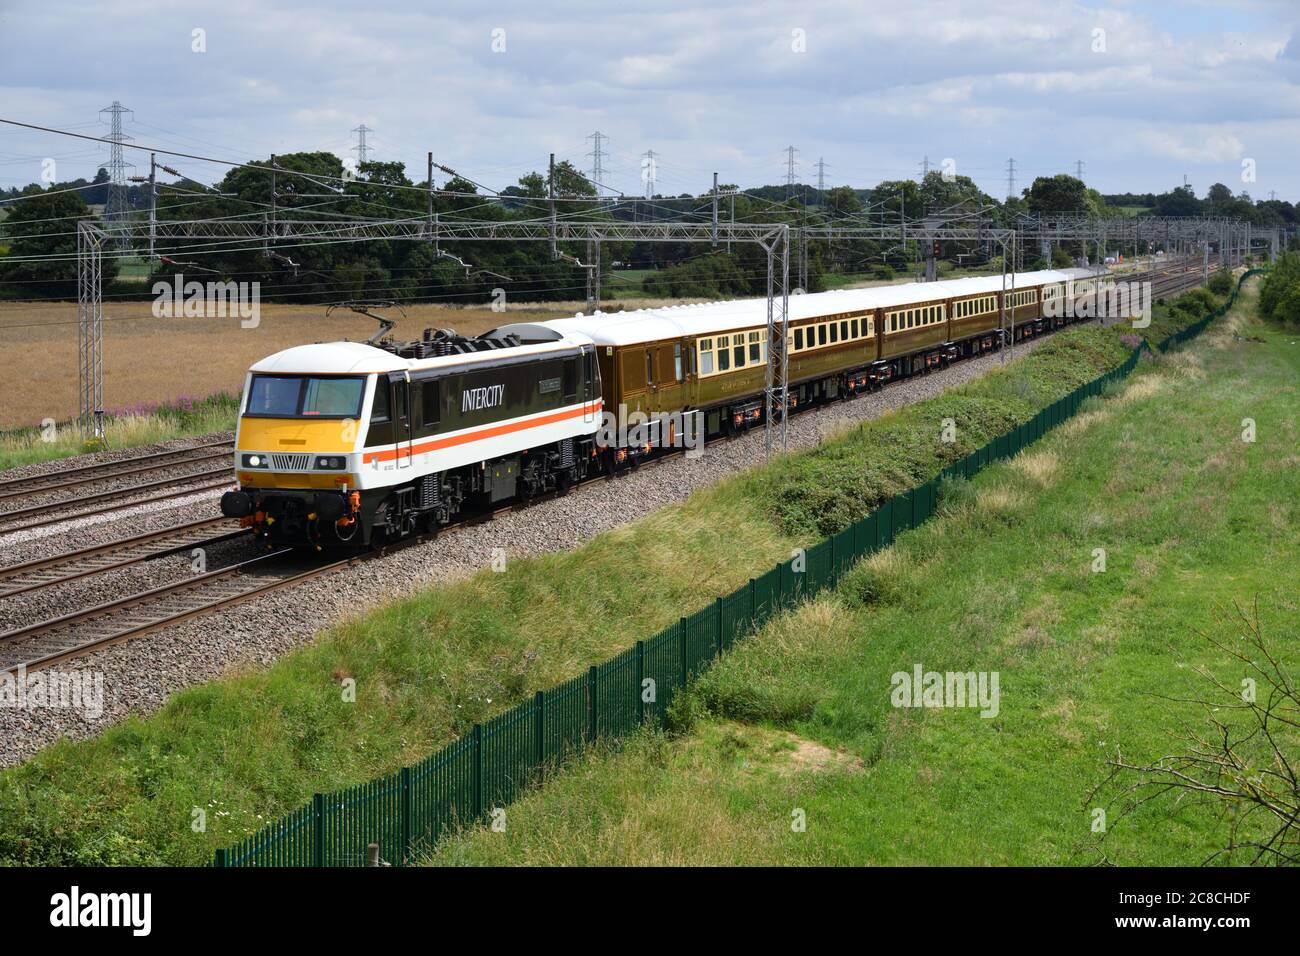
853,327
844,329
649,367
706,362
835,333
724,355
739,350
756,346
821,335
677,360
798,339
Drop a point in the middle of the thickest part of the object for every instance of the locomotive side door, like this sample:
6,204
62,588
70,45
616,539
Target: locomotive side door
401,412
590,384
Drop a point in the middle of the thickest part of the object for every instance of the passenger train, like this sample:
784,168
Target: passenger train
359,444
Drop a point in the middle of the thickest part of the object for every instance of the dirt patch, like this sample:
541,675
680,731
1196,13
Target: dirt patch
784,753
811,757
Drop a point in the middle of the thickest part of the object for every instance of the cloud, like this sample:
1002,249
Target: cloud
718,86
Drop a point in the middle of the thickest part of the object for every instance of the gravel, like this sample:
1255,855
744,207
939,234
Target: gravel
140,674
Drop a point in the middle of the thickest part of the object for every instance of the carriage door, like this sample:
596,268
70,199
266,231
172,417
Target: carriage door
401,417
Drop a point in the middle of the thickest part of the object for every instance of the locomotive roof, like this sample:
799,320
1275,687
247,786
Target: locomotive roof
358,358
671,322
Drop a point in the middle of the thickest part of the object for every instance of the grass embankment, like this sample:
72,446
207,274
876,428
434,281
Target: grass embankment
427,667
127,429
799,718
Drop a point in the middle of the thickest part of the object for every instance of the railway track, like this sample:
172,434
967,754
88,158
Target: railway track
211,479
89,474
73,635
84,562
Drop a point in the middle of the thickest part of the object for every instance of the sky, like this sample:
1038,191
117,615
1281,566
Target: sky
1144,94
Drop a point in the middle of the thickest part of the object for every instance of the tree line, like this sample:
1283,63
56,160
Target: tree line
316,185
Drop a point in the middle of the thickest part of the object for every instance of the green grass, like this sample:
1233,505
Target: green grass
798,718
427,667
217,413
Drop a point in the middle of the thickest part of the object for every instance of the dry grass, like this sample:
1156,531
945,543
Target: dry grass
149,360
1000,501
1142,387
1038,466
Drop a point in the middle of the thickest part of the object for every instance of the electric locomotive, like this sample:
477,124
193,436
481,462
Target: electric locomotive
358,444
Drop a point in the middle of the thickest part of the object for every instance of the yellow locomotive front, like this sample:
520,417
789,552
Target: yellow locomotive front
298,446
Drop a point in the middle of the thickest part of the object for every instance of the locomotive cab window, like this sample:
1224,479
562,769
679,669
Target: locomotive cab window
379,410
306,396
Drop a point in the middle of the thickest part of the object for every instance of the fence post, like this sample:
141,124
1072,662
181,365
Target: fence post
318,829
640,682
477,737
408,836
539,736
591,704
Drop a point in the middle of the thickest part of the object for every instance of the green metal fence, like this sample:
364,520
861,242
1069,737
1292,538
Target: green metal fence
408,811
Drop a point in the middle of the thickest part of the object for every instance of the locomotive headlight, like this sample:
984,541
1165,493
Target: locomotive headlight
255,461
330,462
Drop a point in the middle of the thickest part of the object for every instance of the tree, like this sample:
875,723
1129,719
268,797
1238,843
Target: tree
44,224
1061,193
1180,201
842,201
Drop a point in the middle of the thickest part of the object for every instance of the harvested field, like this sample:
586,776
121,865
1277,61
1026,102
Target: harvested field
149,360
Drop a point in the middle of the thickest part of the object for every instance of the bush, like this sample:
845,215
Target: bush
1220,283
